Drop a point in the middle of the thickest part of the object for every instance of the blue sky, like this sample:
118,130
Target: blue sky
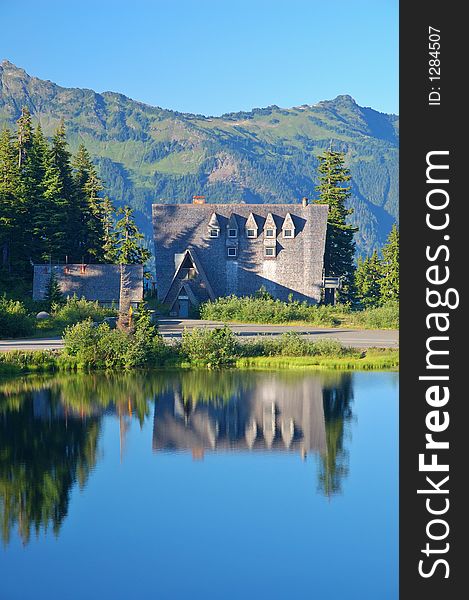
211,57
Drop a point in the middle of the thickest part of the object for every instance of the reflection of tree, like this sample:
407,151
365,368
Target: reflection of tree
334,464
211,386
40,460
49,429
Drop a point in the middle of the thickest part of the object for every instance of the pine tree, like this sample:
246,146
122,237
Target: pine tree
53,295
24,135
40,213
53,216
129,250
9,185
90,228
390,267
368,275
340,245
62,192
109,234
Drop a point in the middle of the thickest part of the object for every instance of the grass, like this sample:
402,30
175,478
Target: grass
372,359
18,362
88,349
266,310
17,320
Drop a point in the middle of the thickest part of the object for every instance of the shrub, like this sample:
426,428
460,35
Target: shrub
264,309
147,345
97,346
78,309
81,342
31,360
14,319
381,317
209,347
293,344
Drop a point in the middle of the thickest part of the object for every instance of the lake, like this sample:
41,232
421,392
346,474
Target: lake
199,485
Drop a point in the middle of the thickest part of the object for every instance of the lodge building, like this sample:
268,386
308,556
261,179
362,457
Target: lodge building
203,251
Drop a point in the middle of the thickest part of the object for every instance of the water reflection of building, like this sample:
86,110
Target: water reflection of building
272,415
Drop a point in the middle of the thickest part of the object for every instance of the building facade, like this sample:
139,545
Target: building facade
94,282
203,251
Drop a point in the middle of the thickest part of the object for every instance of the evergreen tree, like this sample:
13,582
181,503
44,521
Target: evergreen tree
90,228
340,245
24,135
53,292
368,277
41,215
109,234
390,267
129,250
9,185
61,191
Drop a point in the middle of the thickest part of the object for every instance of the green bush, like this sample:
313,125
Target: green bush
264,309
293,344
381,317
78,309
209,347
14,319
31,360
89,346
146,346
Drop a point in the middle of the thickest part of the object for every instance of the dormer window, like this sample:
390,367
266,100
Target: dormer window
288,227
232,233
214,226
251,226
232,252
270,227
269,252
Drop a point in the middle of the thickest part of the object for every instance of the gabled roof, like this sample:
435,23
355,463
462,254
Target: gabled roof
251,222
288,222
269,222
232,222
184,285
190,253
213,222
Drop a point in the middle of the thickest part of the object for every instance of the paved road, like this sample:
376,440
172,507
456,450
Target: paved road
173,328
359,338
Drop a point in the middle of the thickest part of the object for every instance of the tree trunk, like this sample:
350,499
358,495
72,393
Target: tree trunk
125,320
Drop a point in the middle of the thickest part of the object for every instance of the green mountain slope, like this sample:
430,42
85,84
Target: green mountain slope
147,154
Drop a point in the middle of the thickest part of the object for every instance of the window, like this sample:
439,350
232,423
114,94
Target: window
288,233
270,233
232,233
214,233
252,233
270,251
232,252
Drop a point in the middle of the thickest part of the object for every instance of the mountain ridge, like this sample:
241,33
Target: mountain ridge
151,154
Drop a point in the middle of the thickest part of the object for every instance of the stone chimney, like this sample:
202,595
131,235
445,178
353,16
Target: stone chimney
198,199
304,202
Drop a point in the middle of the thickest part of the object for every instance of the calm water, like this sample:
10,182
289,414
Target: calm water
199,486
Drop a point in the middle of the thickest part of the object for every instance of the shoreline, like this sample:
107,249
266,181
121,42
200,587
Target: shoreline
50,361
